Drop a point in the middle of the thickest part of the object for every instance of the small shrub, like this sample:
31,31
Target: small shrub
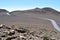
45,38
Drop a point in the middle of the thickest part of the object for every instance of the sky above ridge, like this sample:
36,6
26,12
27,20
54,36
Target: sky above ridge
28,4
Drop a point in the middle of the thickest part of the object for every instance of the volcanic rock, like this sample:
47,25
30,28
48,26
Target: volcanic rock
21,30
10,38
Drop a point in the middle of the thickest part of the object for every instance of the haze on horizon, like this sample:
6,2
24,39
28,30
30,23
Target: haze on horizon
11,5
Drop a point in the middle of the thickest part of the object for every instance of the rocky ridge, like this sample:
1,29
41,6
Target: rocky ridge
12,33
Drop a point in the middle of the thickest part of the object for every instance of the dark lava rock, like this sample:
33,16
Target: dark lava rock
33,33
12,32
21,30
0,38
3,36
23,39
1,27
10,38
8,28
4,26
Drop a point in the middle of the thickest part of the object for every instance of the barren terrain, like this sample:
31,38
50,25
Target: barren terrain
30,20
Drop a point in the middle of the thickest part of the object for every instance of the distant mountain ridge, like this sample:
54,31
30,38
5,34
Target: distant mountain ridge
47,9
39,10
35,10
3,10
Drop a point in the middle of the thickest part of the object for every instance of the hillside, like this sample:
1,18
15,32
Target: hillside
46,12
31,21
4,12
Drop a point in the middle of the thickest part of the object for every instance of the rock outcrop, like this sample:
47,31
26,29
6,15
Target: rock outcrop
25,34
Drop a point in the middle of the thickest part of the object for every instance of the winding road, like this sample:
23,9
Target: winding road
53,22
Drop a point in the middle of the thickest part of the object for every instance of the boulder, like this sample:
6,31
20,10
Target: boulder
0,38
10,38
11,32
21,30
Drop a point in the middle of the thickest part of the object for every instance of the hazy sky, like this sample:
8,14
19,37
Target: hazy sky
28,4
